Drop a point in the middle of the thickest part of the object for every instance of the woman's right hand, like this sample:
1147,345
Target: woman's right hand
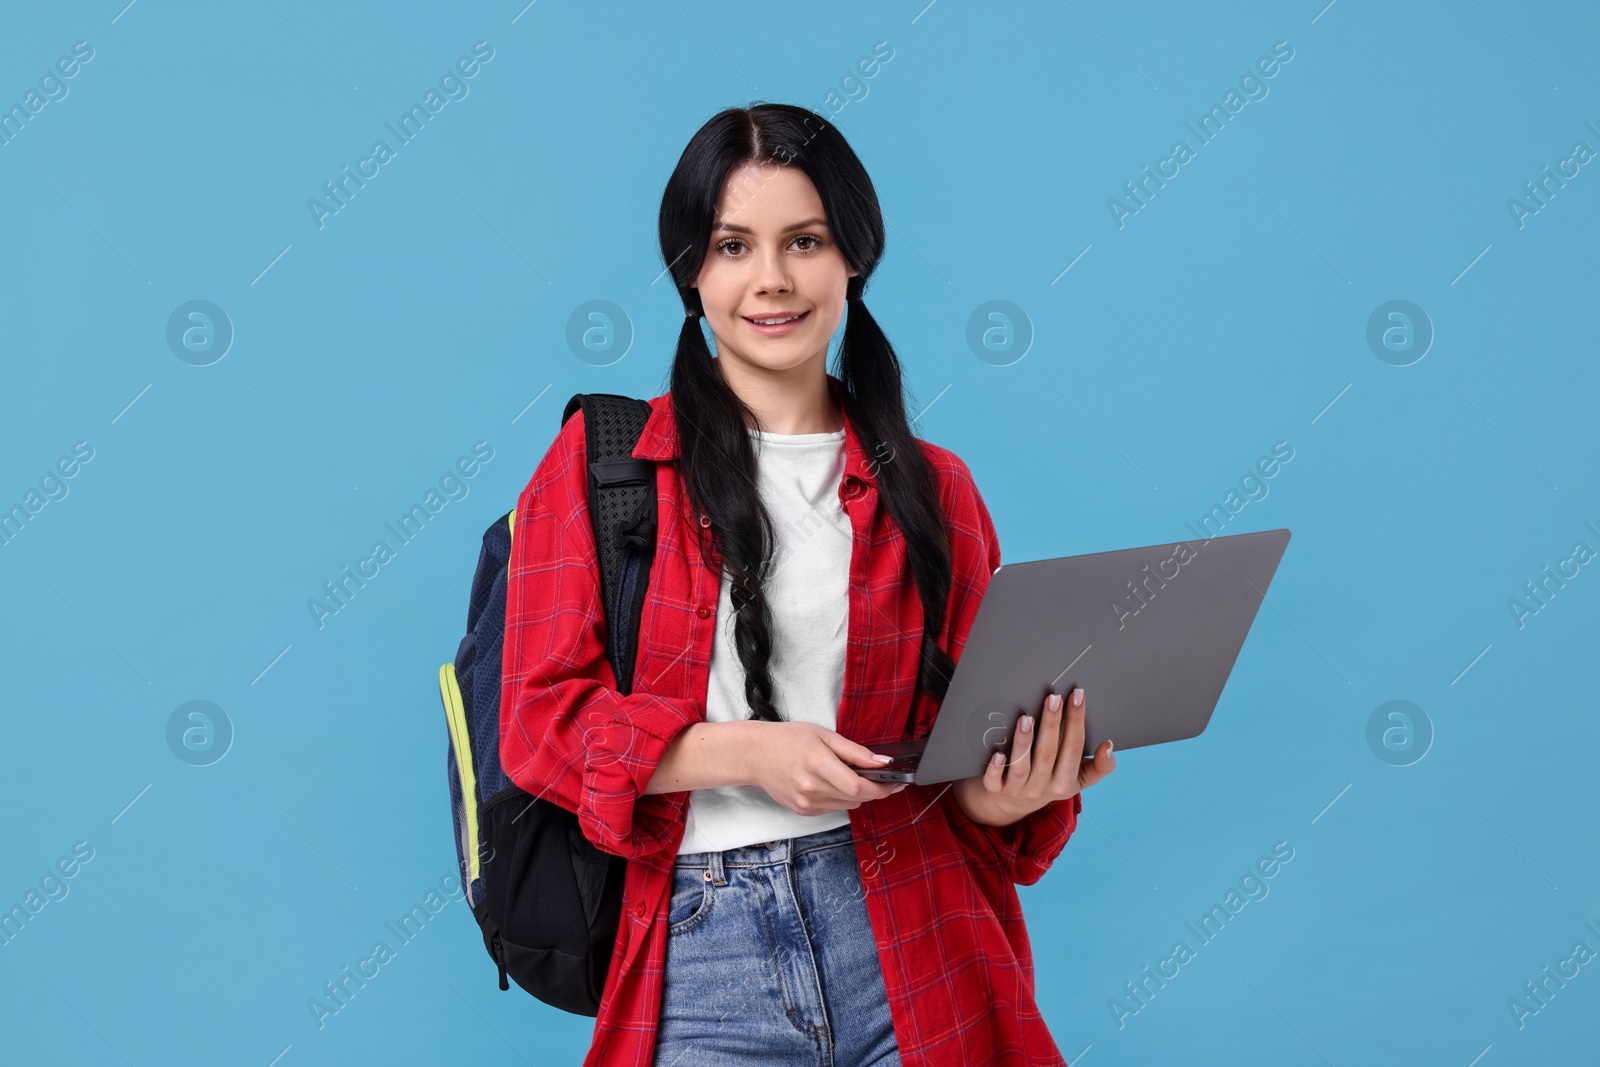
810,769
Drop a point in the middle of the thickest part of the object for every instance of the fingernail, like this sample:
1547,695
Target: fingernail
997,759
1077,698
1026,725
1053,702
899,787
881,758
1110,744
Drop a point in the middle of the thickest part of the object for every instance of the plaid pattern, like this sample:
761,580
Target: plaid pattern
941,889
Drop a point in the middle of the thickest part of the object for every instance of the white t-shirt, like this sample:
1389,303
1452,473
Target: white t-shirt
807,590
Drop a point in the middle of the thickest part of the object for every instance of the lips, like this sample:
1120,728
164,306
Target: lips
788,322
777,318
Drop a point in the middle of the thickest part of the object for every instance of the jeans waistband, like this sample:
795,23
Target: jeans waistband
768,853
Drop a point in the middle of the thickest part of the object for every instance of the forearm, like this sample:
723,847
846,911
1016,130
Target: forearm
706,755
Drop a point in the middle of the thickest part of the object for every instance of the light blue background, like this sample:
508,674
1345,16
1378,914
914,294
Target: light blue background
1230,313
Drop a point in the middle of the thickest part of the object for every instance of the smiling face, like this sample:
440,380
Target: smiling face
772,257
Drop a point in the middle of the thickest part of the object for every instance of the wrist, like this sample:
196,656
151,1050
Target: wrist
742,751
970,797
982,807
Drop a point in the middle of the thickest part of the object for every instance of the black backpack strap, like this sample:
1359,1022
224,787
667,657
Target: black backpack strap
622,510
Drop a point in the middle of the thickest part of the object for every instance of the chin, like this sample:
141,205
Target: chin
775,361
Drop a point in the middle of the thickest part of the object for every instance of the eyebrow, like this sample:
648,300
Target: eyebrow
734,227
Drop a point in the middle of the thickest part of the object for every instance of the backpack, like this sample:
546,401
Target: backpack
548,901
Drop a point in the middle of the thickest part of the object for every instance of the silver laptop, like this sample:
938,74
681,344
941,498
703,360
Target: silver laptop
1150,634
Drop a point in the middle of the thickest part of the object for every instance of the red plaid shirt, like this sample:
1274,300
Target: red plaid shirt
940,889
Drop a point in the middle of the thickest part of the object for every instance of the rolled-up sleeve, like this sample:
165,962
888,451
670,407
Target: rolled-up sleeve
566,733
1026,848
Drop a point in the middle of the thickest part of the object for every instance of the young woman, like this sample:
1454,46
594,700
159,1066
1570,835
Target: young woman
817,570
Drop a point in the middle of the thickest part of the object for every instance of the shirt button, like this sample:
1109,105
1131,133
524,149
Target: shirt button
703,611
638,909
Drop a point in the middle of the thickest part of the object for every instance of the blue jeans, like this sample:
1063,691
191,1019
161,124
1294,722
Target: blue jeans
771,959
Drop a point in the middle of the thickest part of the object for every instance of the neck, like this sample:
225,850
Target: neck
792,401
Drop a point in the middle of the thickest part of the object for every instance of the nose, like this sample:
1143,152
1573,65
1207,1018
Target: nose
772,273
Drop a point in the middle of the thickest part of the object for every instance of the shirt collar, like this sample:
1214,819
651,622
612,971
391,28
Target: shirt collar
659,441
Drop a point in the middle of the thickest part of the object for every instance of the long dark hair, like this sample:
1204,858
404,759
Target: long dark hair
717,461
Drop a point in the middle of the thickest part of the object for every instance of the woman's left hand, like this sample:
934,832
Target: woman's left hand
1048,768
